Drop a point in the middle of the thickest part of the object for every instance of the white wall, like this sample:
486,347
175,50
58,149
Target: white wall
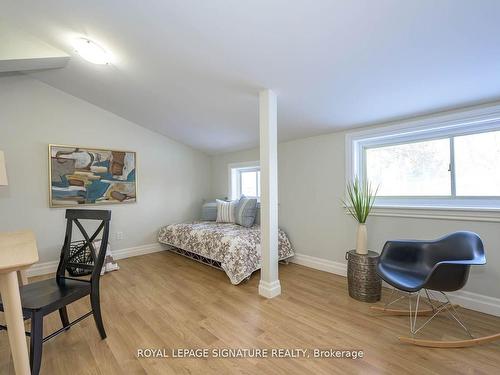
172,178
311,183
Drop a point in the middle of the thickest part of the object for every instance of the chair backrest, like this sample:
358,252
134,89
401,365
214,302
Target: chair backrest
464,248
72,259
457,246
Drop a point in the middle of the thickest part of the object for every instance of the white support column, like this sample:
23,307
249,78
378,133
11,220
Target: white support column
269,285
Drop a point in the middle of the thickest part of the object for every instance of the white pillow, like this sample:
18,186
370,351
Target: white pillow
226,211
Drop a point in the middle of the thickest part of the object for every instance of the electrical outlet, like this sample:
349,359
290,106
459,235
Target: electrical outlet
119,236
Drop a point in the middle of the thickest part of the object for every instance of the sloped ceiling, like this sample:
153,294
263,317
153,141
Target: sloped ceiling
20,51
192,69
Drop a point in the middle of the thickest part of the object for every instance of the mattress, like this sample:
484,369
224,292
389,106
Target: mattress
236,248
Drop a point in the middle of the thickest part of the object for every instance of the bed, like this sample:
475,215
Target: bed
231,247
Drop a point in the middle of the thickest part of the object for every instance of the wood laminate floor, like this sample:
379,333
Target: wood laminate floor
165,301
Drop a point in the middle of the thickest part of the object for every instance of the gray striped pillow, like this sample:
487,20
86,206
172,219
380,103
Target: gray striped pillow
225,211
209,211
246,211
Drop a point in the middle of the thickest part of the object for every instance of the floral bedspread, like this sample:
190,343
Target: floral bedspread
237,248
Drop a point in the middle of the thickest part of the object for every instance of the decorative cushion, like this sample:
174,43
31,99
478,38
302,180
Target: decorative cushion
226,211
209,211
246,211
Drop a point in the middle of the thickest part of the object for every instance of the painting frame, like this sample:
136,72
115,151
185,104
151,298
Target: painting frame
98,149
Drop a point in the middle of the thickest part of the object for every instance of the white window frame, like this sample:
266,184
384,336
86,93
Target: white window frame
445,125
234,177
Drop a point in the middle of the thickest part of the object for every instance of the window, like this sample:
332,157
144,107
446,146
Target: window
450,161
411,169
477,165
250,182
244,180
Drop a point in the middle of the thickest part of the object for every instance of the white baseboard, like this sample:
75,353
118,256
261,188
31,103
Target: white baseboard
269,290
137,250
475,301
51,267
469,300
42,268
338,268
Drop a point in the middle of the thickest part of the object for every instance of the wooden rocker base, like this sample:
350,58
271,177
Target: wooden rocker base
452,343
403,312
435,343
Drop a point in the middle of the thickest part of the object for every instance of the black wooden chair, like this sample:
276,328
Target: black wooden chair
44,297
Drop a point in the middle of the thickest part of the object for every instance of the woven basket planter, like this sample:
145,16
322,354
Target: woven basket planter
363,282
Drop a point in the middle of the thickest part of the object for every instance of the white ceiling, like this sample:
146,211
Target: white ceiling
20,51
191,69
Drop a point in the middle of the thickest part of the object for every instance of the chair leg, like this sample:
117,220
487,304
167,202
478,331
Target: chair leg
36,343
452,311
96,308
63,313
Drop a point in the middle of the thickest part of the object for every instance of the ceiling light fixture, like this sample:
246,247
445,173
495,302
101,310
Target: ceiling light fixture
92,52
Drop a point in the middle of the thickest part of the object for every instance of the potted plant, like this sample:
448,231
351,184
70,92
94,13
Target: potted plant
362,279
359,203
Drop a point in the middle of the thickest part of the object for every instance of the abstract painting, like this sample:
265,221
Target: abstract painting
80,176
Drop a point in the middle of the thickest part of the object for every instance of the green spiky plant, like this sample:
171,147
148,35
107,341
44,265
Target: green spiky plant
360,199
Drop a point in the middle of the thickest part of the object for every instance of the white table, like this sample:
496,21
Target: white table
17,252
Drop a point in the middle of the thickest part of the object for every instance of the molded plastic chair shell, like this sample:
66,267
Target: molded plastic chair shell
441,265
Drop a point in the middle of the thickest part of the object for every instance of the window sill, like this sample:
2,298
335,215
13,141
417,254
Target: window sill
440,213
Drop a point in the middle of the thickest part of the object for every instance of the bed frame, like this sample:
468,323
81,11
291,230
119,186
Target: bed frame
209,262
198,258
